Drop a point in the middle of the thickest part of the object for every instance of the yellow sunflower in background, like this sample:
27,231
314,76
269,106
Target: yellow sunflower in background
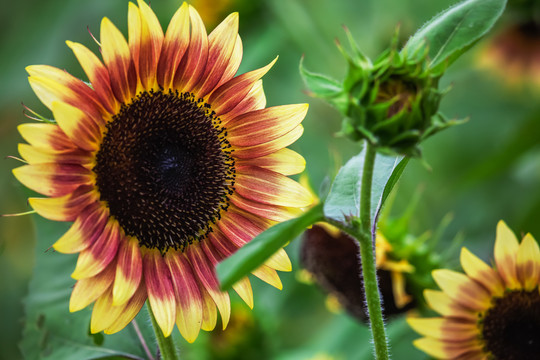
167,163
489,313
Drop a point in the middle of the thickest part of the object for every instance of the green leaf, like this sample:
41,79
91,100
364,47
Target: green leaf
321,85
454,31
50,330
257,251
343,201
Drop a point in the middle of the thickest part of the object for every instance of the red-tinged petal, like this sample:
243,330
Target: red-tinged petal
240,228
254,100
221,43
97,75
230,94
174,47
134,38
234,62
160,290
53,179
67,207
284,161
444,329
117,58
444,305
506,249
209,318
269,276
86,229
261,126
193,63
478,270
88,290
35,155
269,187
206,275
127,312
271,212
52,84
441,349
528,263
189,311
95,258
150,40
249,152
77,126
46,136
462,289
128,270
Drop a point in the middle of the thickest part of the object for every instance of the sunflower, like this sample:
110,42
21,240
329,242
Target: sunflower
167,163
489,313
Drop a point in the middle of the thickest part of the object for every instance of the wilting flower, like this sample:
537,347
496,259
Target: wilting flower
167,163
489,313
333,260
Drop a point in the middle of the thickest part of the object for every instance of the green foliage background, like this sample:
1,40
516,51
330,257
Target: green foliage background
485,170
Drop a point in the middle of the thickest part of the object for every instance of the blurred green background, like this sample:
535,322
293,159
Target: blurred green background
485,170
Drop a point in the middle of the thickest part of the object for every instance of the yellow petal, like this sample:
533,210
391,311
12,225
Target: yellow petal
528,263
481,272
506,248
244,290
445,329
462,289
444,305
269,276
279,261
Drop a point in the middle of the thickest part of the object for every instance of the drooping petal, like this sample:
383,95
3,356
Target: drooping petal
189,312
444,329
148,36
269,187
506,249
34,155
53,179
441,349
97,256
444,305
160,290
260,126
478,270
230,94
269,276
86,229
528,263
109,318
46,136
462,289
249,152
280,261
125,313
284,161
52,84
193,63
88,290
97,75
67,207
81,129
221,42
209,319
206,275
117,58
128,270
174,46
271,212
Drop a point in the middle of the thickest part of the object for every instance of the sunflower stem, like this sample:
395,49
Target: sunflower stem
363,233
167,350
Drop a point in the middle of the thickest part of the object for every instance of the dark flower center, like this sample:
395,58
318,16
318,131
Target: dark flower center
511,327
164,169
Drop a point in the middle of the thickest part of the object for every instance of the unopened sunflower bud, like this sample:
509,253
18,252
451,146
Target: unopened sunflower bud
392,102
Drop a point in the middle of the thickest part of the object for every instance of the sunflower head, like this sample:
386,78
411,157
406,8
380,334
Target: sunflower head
167,162
488,312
